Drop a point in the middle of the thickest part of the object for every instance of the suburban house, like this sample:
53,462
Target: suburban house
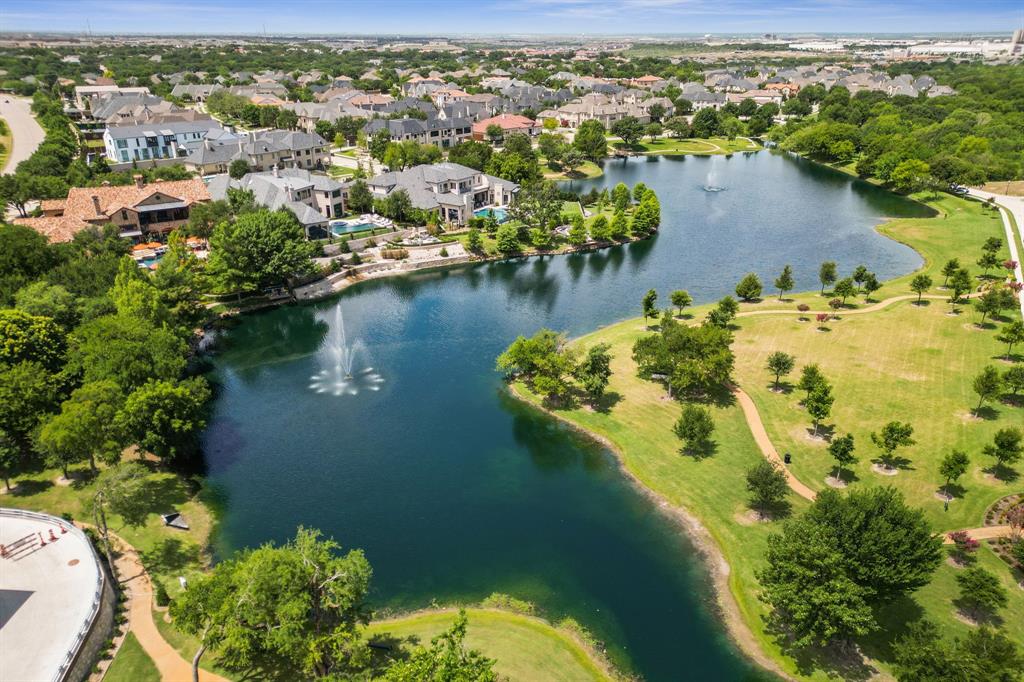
509,123
441,132
314,198
606,109
760,96
84,92
140,210
451,190
167,140
261,151
195,92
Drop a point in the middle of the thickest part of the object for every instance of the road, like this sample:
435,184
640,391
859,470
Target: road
1014,206
27,133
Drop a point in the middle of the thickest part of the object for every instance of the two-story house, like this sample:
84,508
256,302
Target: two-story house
166,140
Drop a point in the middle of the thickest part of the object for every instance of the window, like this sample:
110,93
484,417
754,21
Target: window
122,144
124,214
124,156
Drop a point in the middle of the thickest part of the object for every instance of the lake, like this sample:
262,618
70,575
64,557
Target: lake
454,489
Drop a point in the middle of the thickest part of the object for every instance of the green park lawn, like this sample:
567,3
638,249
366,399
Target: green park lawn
6,142
132,664
671,145
589,169
166,552
526,649
907,362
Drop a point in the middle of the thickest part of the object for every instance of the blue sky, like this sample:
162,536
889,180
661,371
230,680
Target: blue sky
451,17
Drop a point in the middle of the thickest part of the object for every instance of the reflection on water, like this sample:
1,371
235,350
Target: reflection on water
456,491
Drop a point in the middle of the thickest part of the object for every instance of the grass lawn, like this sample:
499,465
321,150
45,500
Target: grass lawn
671,145
524,648
589,169
166,552
132,664
903,362
6,142
340,171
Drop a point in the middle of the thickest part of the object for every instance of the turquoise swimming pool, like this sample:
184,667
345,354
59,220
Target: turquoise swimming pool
499,213
340,227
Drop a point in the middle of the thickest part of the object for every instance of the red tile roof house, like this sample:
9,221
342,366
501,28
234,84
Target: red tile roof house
140,210
509,123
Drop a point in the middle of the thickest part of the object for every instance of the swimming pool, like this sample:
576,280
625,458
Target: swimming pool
499,213
339,227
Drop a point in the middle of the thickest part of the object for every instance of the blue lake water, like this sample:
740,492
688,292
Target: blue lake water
454,489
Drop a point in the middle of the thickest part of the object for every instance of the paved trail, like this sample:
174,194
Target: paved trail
764,443
139,599
26,132
1015,207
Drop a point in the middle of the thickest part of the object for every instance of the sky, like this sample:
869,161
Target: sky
509,17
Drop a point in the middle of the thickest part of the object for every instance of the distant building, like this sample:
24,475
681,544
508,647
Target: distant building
84,92
140,210
509,123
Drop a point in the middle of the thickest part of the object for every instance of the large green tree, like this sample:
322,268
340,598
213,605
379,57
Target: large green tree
166,416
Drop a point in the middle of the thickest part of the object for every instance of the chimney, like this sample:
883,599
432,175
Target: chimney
138,180
276,174
96,204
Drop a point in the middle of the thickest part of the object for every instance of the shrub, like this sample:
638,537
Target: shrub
395,254
497,600
803,307
444,252
160,595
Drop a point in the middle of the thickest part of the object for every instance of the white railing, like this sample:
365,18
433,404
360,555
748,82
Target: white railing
97,597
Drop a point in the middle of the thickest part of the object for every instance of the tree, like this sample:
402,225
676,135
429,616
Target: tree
961,283
910,175
860,275
640,190
767,485
125,350
238,168
377,145
784,282
689,359
647,216
987,385
871,285
649,304
11,459
619,226
445,659
921,655
844,288
538,205
259,250
296,609
841,448
590,140
1014,379
810,378
84,429
493,132
680,298
988,303
779,364
656,111
474,242
600,230
27,393
953,466
507,238
471,153
893,435
31,338
827,274
572,159
819,404
166,417
706,123
577,231
920,284
629,129
1006,447
360,200
806,583
43,299
621,196
749,288
121,490
594,370
981,593
988,261
949,269
694,426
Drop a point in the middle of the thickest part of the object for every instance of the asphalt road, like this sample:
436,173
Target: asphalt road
27,133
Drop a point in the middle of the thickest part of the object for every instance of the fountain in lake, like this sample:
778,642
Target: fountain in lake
339,375
710,181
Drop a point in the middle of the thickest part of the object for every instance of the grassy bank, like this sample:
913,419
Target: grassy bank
6,142
672,146
132,664
907,362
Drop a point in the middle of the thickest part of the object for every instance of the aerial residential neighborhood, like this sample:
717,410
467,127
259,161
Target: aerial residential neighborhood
555,340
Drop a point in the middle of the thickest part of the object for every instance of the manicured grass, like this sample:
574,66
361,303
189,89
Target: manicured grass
671,145
907,362
166,552
6,142
187,646
589,169
571,208
524,648
132,664
340,171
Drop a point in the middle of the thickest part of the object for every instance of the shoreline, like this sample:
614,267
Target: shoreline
713,560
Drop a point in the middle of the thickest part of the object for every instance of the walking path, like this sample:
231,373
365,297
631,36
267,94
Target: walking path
138,591
764,443
26,133
1010,206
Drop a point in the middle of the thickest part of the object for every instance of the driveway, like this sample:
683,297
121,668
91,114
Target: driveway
27,133
1014,206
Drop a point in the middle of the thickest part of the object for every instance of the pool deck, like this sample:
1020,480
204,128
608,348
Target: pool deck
49,595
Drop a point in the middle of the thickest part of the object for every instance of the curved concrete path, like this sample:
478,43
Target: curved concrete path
1010,206
138,591
26,133
764,443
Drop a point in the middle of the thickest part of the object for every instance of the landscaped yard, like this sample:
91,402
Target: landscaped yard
907,362
588,169
525,648
671,145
